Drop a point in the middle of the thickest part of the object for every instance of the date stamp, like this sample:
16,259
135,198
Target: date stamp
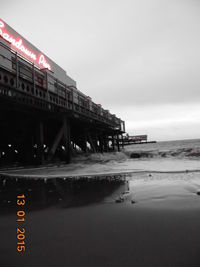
21,201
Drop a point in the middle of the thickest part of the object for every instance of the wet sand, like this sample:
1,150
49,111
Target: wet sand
85,227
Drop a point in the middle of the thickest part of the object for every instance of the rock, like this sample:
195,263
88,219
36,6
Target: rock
119,200
135,155
198,193
126,192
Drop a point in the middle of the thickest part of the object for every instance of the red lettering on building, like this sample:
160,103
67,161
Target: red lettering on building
17,44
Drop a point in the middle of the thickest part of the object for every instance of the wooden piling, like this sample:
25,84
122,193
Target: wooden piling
40,143
67,139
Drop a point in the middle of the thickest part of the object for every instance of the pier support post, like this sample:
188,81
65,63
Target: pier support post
100,143
55,143
122,141
91,143
96,141
67,139
64,133
40,143
105,143
85,134
113,142
118,146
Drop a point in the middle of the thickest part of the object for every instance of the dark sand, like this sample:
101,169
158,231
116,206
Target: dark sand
94,231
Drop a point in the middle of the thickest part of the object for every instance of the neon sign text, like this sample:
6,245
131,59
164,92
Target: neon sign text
18,44
42,61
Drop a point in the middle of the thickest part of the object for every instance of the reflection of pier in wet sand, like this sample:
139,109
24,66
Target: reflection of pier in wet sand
66,192
76,222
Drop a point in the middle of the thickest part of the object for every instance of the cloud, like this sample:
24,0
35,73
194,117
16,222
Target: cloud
127,55
163,122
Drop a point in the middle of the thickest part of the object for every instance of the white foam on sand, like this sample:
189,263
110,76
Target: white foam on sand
99,167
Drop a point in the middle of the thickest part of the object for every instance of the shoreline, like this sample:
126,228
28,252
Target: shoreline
64,172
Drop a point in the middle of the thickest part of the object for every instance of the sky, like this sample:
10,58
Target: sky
138,58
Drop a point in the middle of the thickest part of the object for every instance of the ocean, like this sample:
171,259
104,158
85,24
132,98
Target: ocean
168,156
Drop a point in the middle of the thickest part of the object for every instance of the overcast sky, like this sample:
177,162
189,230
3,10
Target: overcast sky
138,58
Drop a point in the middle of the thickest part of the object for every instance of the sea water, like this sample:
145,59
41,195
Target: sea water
164,172
169,156
161,172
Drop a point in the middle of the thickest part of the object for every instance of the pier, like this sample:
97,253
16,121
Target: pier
43,116
135,140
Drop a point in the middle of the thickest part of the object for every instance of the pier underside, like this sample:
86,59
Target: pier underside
31,136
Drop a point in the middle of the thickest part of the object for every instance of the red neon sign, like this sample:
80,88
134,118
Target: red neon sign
17,44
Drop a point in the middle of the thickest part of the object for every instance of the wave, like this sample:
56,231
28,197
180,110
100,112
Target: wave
102,158
180,153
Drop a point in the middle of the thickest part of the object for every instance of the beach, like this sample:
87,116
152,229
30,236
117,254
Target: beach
157,223
106,210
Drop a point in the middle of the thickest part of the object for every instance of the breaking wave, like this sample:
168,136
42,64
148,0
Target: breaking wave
103,157
176,153
183,153
162,157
